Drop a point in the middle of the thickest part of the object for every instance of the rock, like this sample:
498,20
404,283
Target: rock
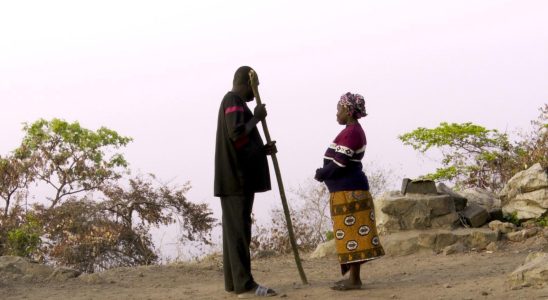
529,205
437,240
493,246
460,201
475,215
455,248
448,221
324,249
502,227
526,193
62,274
532,179
395,212
534,272
480,238
404,184
481,197
521,235
528,224
418,187
401,245
15,267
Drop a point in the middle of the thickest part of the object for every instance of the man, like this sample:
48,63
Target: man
241,170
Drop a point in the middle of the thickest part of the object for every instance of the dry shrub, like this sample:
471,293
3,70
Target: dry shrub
91,235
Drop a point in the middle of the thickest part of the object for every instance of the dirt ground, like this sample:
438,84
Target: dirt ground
473,275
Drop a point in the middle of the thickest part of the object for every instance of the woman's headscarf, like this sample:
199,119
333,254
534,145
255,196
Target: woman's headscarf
355,104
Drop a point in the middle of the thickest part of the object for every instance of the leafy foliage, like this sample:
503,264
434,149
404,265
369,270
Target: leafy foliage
25,240
474,156
94,220
70,158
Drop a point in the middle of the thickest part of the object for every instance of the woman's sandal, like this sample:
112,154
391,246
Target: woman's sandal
259,291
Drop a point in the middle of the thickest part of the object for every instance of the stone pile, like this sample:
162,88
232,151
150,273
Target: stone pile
525,196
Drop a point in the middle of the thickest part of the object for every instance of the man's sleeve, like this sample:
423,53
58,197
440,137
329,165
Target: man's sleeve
235,122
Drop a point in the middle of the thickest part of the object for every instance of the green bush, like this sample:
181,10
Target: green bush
25,240
542,221
513,218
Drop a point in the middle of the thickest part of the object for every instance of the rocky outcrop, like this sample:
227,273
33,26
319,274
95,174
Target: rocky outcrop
534,272
481,197
14,268
526,194
438,240
459,200
397,212
502,227
475,215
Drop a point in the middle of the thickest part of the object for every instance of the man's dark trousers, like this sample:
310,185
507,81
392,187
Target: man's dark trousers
236,240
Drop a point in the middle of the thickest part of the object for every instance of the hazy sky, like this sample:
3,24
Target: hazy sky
157,70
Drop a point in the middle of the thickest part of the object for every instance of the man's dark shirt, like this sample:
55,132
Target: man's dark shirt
241,166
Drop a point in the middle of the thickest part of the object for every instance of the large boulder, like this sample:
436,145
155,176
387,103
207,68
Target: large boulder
534,272
481,197
396,212
438,240
526,194
15,268
460,201
475,215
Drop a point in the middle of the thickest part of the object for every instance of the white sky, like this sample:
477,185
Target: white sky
157,70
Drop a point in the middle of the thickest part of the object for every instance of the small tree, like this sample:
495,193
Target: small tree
474,156
533,145
70,158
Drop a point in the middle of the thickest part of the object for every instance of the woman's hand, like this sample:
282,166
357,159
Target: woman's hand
319,175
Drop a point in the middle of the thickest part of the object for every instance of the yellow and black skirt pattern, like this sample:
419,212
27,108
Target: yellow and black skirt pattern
354,227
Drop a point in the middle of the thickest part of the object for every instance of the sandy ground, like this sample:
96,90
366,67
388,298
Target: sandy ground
474,275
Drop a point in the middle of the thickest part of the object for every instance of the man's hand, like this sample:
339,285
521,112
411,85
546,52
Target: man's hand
270,148
260,112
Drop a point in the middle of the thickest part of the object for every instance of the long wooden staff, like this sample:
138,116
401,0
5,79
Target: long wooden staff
255,87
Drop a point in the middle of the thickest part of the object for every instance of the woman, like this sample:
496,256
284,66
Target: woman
352,208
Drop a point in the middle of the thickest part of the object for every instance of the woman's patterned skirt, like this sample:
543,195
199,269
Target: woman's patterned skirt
354,227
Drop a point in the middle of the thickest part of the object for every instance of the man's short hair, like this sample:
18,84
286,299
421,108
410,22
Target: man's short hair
241,77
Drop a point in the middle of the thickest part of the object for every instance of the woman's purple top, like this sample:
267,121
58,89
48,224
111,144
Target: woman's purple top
342,168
